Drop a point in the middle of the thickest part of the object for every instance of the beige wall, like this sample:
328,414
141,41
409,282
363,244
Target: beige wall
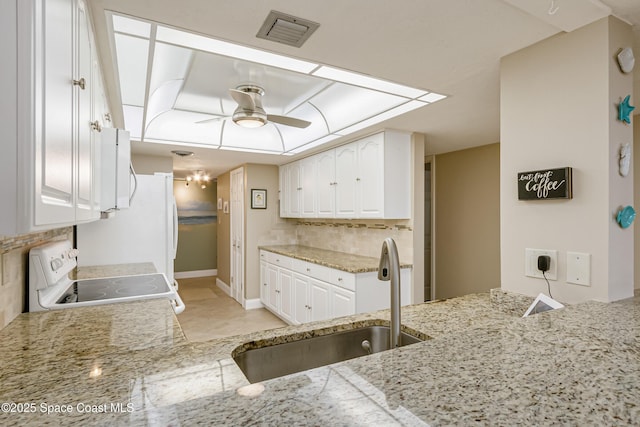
224,231
467,221
558,108
262,226
636,198
197,241
14,265
148,165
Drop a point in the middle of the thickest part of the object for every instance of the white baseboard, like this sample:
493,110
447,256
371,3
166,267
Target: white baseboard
225,288
251,304
195,273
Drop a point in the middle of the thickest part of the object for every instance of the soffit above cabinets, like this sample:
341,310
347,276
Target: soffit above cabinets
174,87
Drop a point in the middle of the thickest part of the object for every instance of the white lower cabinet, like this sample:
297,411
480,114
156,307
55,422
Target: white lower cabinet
276,290
299,291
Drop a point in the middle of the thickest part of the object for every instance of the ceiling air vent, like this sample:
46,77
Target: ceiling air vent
282,28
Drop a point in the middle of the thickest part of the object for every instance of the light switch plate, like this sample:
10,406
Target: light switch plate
579,268
531,263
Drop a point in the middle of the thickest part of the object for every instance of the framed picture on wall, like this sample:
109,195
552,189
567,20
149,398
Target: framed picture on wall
258,199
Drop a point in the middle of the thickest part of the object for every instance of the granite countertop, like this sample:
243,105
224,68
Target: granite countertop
576,366
339,260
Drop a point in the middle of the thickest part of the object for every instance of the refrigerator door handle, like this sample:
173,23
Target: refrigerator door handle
135,183
175,228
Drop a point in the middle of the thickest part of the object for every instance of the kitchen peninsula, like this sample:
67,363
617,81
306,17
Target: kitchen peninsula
578,365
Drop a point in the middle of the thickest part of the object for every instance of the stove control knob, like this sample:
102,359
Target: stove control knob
73,253
56,263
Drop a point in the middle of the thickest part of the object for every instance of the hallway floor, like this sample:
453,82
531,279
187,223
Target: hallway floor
211,313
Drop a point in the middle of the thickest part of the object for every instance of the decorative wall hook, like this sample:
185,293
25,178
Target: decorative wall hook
624,110
625,159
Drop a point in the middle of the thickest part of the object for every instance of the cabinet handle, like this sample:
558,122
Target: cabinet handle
96,126
107,117
264,284
80,83
339,279
357,179
308,270
299,188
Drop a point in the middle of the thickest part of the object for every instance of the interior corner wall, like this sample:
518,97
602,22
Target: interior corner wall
556,111
418,147
224,230
258,222
467,221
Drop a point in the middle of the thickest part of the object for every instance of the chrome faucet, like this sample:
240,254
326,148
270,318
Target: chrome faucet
389,269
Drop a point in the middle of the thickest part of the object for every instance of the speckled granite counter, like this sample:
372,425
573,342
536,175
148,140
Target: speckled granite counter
338,260
576,366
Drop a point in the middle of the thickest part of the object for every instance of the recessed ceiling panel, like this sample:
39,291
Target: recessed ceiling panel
343,105
266,138
132,68
294,137
169,63
183,126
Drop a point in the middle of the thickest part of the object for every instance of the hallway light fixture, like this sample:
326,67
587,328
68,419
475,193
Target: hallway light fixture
199,177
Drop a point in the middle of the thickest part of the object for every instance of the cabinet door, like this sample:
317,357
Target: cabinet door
272,286
319,300
326,184
345,187
55,165
286,294
283,186
370,177
294,189
300,298
264,284
84,113
308,179
343,302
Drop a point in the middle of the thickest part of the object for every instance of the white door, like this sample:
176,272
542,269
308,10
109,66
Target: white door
308,184
286,294
326,186
237,235
343,302
294,190
55,168
370,178
345,187
319,300
83,112
300,299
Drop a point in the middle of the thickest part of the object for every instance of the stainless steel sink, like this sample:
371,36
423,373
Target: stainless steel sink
274,361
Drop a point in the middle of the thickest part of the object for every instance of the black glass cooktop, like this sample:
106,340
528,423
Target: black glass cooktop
115,287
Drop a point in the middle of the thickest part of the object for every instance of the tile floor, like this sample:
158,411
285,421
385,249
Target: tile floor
211,313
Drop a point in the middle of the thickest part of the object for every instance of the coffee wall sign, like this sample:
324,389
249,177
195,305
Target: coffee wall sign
545,184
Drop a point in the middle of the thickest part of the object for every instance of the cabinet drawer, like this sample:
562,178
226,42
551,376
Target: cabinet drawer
300,266
279,260
343,279
317,271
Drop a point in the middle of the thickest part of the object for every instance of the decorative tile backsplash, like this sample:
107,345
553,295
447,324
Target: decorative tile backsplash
362,237
13,269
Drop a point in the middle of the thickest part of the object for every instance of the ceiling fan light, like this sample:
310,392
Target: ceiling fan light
250,122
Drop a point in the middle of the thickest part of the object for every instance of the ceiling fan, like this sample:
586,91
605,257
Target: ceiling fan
250,114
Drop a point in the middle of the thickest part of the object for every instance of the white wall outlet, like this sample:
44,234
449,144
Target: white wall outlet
531,263
579,268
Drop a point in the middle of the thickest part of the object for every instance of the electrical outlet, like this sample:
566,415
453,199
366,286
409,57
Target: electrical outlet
531,263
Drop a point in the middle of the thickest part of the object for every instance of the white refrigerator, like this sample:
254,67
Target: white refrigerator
145,232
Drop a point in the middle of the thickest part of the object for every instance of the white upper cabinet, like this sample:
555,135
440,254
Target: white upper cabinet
367,178
345,182
46,116
308,179
326,184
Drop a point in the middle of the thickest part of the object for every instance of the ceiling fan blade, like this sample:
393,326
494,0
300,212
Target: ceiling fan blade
288,121
243,99
215,119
